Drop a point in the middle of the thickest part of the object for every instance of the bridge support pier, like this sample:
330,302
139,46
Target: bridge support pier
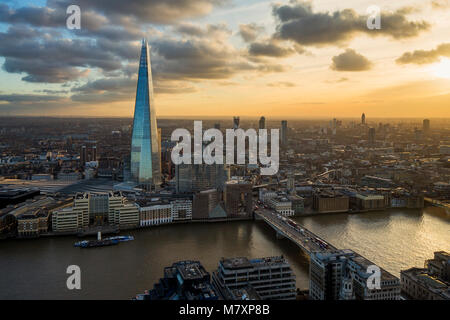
279,235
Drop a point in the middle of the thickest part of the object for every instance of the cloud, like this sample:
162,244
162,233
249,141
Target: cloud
340,80
105,90
47,91
219,32
250,32
350,60
99,62
154,11
285,84
425,56
203,57
298,22
168,87
37,104
440,4
270,49
122,89
193,59
48,17
27,98
52,60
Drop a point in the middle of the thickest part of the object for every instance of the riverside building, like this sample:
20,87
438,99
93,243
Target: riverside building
271,277
343,275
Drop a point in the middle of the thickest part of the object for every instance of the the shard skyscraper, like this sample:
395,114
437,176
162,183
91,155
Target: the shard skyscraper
145,153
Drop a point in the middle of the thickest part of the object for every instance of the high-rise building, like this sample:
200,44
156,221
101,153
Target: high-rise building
271,277
284,129
291,183
184,280
262,123
204,203
426,126
372,136
94,153
238,198
363,119
83,156
345,275
326,272
429,283
198,177
235,123
88,153
145,153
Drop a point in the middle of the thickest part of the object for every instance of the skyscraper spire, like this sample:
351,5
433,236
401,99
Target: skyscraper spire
145,153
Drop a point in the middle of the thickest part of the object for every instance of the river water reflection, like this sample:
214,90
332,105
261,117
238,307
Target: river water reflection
35,269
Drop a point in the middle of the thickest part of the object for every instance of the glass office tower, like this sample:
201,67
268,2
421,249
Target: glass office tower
145,153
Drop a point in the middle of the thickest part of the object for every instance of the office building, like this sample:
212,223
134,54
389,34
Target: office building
238,198
265,195
368,202
159,211
32,224
155,214
191,178
184,280
291,183
389,284
326,272
272,278
344,275
32,217
328,201
70,220
235,123
282,205
372,137
204,204
363,119
426,126
262,123
87,154
126,216
83,155
429,283
95,209
181,209
145,152
297,203
283,133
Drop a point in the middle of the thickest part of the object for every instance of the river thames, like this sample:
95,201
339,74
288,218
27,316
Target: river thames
36,269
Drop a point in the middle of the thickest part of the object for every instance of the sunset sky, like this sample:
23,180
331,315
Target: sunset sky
293,59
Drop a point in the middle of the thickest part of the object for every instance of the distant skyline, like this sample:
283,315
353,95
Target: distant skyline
219,58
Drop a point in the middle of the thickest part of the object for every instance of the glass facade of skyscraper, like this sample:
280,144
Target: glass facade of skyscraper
145,153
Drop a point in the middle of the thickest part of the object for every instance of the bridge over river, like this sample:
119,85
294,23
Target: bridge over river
286,228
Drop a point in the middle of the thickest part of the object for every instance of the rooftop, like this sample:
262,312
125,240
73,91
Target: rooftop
243,262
